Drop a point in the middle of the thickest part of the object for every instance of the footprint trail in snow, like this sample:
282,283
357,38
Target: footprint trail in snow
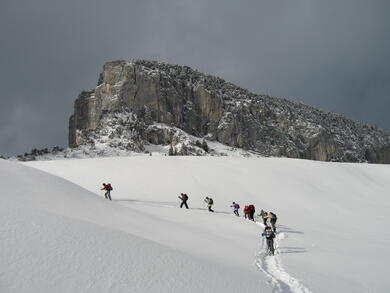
272,267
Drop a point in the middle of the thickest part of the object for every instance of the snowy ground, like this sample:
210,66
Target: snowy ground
57,236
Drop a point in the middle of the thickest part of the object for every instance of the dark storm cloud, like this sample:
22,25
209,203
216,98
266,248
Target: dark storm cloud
331,54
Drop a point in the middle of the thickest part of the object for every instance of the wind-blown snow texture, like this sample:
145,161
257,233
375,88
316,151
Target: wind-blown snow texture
331,220
205,106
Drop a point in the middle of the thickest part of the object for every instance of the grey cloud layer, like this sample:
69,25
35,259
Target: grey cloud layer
331,54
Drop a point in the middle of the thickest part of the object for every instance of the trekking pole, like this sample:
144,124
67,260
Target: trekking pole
204,205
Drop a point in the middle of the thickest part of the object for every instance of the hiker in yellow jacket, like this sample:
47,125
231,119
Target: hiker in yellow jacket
264,216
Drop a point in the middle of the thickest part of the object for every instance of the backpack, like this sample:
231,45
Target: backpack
211,201
109,187
184,196
237,206
273,217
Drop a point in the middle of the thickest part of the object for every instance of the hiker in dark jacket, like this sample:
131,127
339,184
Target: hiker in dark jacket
184,198
273,220
108,188
269,236
251,212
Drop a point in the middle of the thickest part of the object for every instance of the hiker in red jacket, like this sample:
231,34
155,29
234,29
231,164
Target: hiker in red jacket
107,188
246,212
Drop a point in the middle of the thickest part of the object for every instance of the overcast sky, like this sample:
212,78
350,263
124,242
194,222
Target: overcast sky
331,54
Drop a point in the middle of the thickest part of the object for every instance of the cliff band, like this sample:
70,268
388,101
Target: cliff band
146,102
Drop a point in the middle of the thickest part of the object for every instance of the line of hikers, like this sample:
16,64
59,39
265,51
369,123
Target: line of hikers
269,231
208,201
249,211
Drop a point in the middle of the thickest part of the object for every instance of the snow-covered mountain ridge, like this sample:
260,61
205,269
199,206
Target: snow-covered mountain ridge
120,133
207,107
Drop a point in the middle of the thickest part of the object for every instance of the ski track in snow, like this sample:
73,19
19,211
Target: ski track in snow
272,267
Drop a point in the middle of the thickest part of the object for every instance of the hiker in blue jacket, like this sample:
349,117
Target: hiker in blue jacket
269,236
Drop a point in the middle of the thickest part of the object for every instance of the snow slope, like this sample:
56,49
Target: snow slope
59,237
332,218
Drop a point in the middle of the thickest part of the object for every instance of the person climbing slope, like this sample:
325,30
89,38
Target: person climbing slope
209,201
251,212
184,198
108,188
273,220
264,216
269,236
246,212
235,206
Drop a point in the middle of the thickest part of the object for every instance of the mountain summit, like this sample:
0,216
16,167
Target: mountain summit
140,103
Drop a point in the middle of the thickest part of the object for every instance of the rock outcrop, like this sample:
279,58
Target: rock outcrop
149,93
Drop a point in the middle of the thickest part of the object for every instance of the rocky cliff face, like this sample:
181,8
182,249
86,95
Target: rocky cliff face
133,99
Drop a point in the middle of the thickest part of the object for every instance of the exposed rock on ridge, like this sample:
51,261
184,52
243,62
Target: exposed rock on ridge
208,107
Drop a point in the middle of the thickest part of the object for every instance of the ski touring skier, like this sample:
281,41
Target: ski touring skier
273,219
108,188
184,198
209,201
264,216
251,212
269,236
235,206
